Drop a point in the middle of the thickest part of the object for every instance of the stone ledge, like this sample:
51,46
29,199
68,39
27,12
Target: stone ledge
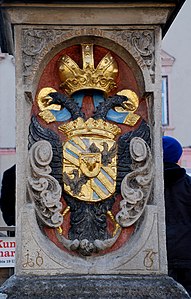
92,286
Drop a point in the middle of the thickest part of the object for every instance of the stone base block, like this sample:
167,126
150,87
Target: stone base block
92,286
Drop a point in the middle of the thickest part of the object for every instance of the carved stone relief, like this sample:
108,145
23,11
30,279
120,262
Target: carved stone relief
44,189
136,186
90,164
38,42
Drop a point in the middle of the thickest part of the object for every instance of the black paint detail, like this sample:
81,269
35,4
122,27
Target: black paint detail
75,183
124,160
88,220
37,133
108,104
69,103
106,154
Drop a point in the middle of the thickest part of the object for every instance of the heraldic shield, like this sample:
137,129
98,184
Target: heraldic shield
90,164
90,161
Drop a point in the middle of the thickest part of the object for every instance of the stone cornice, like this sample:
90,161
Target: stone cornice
90,13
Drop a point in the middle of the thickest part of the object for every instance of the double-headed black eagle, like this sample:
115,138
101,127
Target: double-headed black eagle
88,220
106,154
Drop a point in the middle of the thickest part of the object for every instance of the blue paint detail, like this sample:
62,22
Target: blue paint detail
86,141
61,115
98,97
72,153
78,97
107,176
95,196
76,145
117,117
102,187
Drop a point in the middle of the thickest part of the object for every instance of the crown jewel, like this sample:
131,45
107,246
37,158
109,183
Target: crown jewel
90,127
74,78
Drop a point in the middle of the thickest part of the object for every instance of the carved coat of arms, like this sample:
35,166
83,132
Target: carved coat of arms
90,168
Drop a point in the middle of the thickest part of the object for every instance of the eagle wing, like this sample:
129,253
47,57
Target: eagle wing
113,150
124,158
37,133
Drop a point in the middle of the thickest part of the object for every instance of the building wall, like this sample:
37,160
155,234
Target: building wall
177,43
7,115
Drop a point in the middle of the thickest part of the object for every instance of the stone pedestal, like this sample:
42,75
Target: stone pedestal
90,211
93,286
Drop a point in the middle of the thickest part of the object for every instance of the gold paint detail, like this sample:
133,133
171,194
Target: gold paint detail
133,101
149,258
87,56
131,119
90,164
43,101
90,127
85,193
79,142
89,161
67,209
71,159
33,261
130,106
98,190
59,229
39,259
117,226
47,116
111,171
29,261
101,78
75,149
105,181
84,175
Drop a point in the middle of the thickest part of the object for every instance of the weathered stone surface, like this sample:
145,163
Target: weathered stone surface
138,47
122,273
92,286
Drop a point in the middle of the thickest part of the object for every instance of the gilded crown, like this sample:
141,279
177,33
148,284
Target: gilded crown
90,127
74,78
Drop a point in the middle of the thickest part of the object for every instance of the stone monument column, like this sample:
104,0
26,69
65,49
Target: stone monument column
90,207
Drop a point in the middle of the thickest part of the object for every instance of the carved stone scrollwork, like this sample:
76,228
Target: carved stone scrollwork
38,43
85,247
136,185
143,43
44,190
35,41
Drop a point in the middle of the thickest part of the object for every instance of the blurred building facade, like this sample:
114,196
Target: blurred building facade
7,114
176,72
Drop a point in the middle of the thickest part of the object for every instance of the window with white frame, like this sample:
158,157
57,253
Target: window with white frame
165,108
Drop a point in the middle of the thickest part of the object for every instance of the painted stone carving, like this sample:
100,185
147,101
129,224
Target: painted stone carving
90,164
